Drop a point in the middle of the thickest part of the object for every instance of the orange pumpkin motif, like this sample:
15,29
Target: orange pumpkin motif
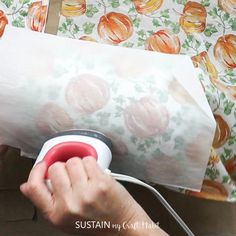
36,18
225,51
202,60
222,132
87,93
211,190
230,166
115,27
228,6
147,6
53,118
87,38
3,22
163,41
71,8
146,117
193,19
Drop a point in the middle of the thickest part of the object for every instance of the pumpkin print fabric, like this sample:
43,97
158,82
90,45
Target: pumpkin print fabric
205,30
30,14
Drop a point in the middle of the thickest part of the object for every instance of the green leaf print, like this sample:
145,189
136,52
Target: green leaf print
141,33
179,143
7,3
63,28
175,28
225,179
69,21
232,23
23,13
75,29
191,43
25,1
181,2
136,22
212,173
156,22
210,29
114,3
228,105
141,38
19,22
208,45
226,16
214,13
205,3
226,154
233,194
132,10
165,13
88,27
228,77
232,140
150,32
91,10
128,44
222,96
227,151
127,2
69,27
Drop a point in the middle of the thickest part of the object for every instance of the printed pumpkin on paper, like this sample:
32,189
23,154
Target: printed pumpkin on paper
29,14
202,29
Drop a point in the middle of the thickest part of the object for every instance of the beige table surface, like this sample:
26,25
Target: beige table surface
19,218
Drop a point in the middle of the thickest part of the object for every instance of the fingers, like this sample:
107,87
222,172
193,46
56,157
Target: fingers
77,174
36,190
92,168
59,178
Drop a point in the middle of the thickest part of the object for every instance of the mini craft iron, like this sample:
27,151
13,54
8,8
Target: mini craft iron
77,143
81,143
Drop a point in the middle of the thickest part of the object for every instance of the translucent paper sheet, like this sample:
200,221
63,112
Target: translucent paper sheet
151,105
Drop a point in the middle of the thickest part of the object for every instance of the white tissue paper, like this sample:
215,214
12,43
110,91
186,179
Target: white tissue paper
151,105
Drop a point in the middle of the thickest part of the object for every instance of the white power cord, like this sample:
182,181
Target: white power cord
130,179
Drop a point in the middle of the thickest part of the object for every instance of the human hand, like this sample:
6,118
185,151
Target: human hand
83,192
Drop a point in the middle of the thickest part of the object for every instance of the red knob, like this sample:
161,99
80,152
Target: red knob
63,151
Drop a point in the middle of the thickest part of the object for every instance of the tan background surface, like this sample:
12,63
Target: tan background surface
18,217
